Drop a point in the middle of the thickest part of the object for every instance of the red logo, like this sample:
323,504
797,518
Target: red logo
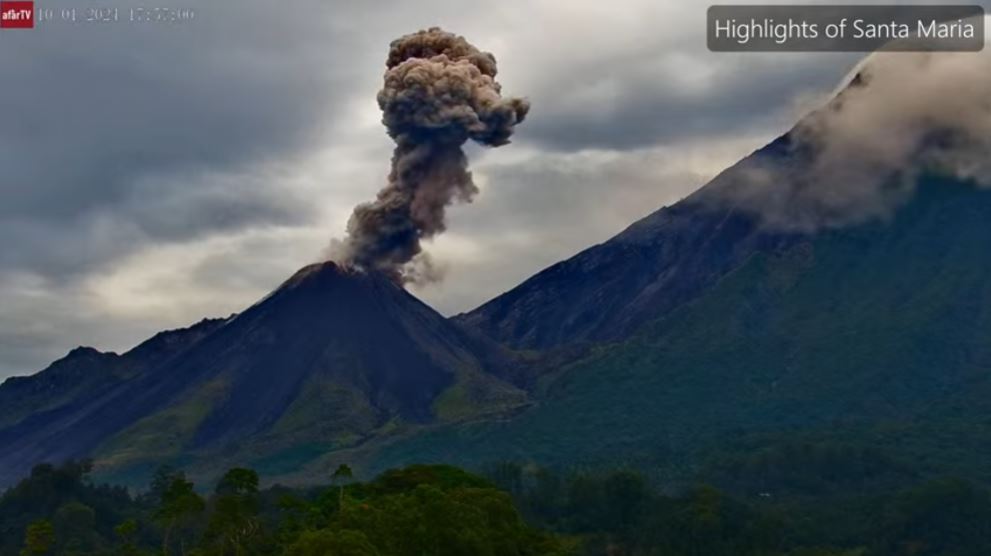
17,15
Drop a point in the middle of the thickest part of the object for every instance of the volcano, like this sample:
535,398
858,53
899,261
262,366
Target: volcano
327,359
699,329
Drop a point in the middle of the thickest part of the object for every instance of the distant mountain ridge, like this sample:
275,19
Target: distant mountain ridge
86,370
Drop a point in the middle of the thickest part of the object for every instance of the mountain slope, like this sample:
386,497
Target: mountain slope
327,358
660,262
85,371
878,334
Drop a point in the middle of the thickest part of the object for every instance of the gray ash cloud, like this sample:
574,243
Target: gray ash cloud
439,92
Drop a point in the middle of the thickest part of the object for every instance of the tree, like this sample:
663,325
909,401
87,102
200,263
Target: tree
127,538
161,480
75,526
238,481
179,504
342,474
508,475
324,543
235,517
944,516
39,538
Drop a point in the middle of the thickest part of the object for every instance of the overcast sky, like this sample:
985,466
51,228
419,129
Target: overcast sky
152,175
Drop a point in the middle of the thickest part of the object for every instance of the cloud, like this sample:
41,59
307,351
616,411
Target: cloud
622,77
903,115
176,207
121,120
677,96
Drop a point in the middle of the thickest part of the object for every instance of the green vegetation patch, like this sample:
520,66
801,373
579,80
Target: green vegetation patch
163,435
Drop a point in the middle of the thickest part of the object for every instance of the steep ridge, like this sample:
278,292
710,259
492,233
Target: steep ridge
660,262
84,372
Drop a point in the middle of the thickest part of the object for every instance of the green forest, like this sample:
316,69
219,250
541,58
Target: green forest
511,510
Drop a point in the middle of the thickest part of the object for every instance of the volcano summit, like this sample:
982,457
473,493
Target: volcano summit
330,357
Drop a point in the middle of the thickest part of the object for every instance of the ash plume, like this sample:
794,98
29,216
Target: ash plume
439,92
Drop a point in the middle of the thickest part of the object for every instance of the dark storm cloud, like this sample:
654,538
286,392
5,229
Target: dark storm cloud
637,103
132,122
169,208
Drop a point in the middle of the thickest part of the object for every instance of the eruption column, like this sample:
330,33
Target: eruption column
439,92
